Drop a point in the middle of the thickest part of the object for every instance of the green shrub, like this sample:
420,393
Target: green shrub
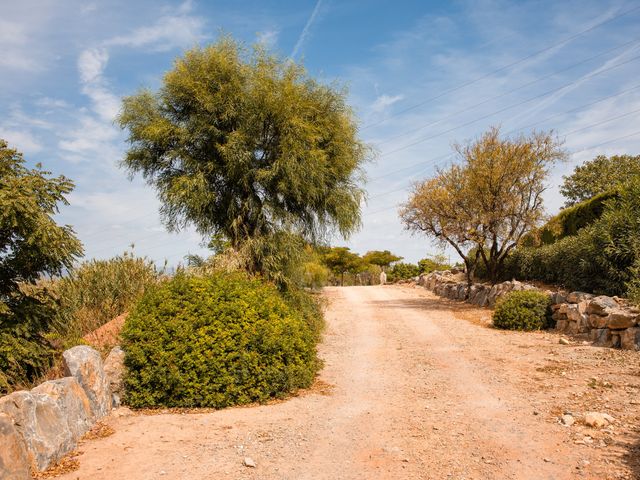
523,310
216,341
602,258
403,271
97,291
570,220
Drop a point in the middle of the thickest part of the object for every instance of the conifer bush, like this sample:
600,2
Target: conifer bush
523,310
215,341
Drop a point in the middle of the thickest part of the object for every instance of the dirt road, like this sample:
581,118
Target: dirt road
414,387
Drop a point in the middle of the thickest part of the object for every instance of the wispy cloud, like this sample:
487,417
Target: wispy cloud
385,101
305,31
268,38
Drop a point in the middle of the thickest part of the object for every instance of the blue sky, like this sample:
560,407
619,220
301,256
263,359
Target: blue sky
421,76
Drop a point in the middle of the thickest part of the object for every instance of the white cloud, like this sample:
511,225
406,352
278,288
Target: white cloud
91,64
170,31
22,140
384,101
268,38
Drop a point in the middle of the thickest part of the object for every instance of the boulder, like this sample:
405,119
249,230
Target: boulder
114,370
563,308
597,321
85,364
577,297
42,425
72,401
562,325
630,339
620,318
14,460
601,305
601,337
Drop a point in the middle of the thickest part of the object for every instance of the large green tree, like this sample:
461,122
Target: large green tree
341,260
243,145
382,258
486,202
599,175
31,245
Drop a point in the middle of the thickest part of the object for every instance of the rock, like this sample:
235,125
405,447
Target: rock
562,325
42,425
567,420
619,319
72,401
85,364
248,462
601,337
616,341
601,305
577,297
114,370
562,309
630,339
597,321
14,460
576,313
564,341
597,420
559,297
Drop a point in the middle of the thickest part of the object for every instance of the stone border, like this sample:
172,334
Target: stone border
609,321
38,427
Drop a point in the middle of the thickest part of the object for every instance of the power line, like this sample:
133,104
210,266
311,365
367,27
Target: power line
557,89
505,67
471,107
585,105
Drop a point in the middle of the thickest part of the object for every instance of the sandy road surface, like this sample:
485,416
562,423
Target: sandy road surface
413,387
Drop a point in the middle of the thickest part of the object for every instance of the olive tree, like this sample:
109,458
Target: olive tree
244,145
483,204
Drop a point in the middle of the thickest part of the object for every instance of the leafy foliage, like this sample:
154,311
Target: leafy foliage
31,245
523,310
600,175
432,263
403,271
382,258
246,146
489,200
602,257
341,260
569,220
97,291
215,341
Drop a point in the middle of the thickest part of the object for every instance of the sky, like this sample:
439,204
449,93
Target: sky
421,76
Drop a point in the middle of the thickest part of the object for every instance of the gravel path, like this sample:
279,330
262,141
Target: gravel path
414,387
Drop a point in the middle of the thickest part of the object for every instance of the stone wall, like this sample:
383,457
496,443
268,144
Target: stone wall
38,427
607,321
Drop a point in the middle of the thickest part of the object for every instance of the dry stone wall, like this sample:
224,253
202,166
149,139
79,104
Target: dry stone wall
608,321
38,427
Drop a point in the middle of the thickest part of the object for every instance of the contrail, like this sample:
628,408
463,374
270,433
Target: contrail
305,30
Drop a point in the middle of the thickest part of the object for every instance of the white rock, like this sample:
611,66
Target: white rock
248,462
597,420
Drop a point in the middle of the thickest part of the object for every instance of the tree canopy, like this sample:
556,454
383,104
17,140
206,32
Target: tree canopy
483,204
341,260
31,245
382,258
597,176
242,144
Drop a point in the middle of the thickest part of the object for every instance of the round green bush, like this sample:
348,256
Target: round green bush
215,341
523,310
